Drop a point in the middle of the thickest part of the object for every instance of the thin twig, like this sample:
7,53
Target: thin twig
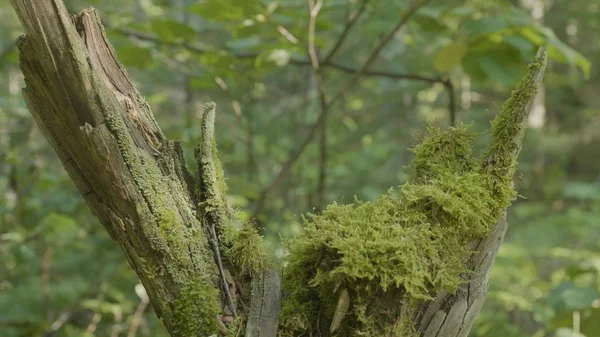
287,166
401,23
137,316
451,100
323,100
94,323
345,32
64,317
297,62
391,75
314,11
322,161
46,268
216,251
118,317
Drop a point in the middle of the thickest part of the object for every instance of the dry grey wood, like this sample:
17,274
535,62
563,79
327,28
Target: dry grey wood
265,305
453,315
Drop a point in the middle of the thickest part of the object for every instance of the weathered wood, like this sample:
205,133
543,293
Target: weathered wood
453,315
132,178
265,305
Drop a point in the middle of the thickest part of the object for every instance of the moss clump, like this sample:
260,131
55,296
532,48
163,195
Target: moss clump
244,248
507,132
196,310
442,151
211,187
403,247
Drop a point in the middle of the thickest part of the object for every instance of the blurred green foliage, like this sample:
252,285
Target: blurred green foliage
61,275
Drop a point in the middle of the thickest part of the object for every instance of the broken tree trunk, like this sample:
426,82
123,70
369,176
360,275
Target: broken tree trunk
188,249
132,178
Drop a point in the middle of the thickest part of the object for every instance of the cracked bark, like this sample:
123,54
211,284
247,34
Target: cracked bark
131,176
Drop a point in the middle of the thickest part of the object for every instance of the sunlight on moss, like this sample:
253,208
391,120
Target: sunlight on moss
404,247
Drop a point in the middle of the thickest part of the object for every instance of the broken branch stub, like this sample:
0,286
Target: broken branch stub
132,178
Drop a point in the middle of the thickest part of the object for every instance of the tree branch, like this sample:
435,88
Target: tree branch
314,11
293,61
403,20
287,166
451,100
345,32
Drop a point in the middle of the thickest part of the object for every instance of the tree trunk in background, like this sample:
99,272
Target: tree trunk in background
537,117
136,182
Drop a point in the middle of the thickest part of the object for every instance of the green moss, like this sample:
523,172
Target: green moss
196,310
211,183
391,254
175,238
385,246
405,246
443,150
244,248
508,129
240,242
178,251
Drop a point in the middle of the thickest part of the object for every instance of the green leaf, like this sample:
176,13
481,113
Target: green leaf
449,56
501,68
470,65
532,35
524,46
134,56
429,19
567,297
561,52
168,29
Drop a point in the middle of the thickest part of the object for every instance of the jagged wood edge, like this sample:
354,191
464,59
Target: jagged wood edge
132,178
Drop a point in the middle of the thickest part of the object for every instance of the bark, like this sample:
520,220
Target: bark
131,176
136,182
452,315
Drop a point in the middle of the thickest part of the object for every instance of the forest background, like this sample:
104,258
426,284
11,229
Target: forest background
286,154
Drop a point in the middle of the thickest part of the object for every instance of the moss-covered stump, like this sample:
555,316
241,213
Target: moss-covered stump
414,262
